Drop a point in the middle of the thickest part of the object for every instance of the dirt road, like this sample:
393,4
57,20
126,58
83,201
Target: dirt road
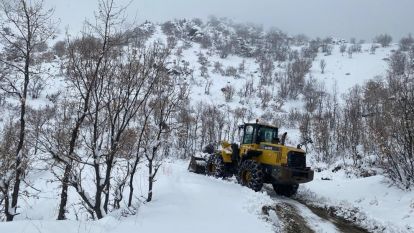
298,217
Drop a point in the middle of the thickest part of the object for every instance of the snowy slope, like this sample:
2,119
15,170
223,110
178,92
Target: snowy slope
346,72
184,202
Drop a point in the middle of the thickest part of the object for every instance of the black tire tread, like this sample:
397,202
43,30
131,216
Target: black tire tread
209,163
286,190
220,167
256,183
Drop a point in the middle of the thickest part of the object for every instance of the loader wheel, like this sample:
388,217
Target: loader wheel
251,175
286,190
211,166
220,169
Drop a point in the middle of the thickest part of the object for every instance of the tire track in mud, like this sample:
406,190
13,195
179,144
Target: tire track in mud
298,217
290,221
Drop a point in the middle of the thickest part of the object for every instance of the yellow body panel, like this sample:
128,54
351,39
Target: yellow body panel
226,157
226,151
272,154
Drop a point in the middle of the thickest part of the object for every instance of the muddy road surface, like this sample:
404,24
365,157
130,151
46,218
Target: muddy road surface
298,217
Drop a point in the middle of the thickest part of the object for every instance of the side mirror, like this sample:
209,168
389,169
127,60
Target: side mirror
283,138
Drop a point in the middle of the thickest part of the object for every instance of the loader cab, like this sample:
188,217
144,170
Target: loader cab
255,133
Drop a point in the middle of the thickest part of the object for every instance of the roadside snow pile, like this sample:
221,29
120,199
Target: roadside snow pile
369,202
183,202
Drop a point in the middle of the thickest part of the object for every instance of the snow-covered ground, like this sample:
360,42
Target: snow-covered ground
188,202
371,201
343,72
183,202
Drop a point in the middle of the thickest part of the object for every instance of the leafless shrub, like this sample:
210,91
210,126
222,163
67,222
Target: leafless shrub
342,48
406,43
384,40
218,68
231,72
322,65
228,92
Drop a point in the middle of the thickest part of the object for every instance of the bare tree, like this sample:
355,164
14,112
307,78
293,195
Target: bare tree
372,49
218,68
266,68
129,90
91,60
342,49
25,25
322,65
231,71
59,48
398,63
384,40
165,101
224,48
143,122
406,43
350,51
353,123
296,72
112,84
228,92
395,136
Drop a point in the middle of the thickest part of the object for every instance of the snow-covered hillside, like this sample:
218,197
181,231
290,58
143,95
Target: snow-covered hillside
371,202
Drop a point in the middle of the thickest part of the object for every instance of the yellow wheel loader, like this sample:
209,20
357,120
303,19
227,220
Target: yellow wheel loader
262,157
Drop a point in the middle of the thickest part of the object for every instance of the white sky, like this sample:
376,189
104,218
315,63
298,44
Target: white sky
363,19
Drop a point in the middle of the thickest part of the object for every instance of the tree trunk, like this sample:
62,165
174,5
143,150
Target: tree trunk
131,189
109,166
131,181
150,181
64,193
19,155
97,208
7,205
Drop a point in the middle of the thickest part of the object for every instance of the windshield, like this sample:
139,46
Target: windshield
267,134
248,134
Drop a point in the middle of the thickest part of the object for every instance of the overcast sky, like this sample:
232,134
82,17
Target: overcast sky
362,19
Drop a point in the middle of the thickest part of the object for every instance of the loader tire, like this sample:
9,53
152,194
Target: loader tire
220,167
210,166
286,190
251,175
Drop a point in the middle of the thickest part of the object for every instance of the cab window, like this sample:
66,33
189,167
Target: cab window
267,134
248,134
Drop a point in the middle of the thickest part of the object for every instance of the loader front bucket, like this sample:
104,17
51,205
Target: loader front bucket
197,165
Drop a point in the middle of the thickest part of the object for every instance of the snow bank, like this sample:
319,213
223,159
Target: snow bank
369,201
183,202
